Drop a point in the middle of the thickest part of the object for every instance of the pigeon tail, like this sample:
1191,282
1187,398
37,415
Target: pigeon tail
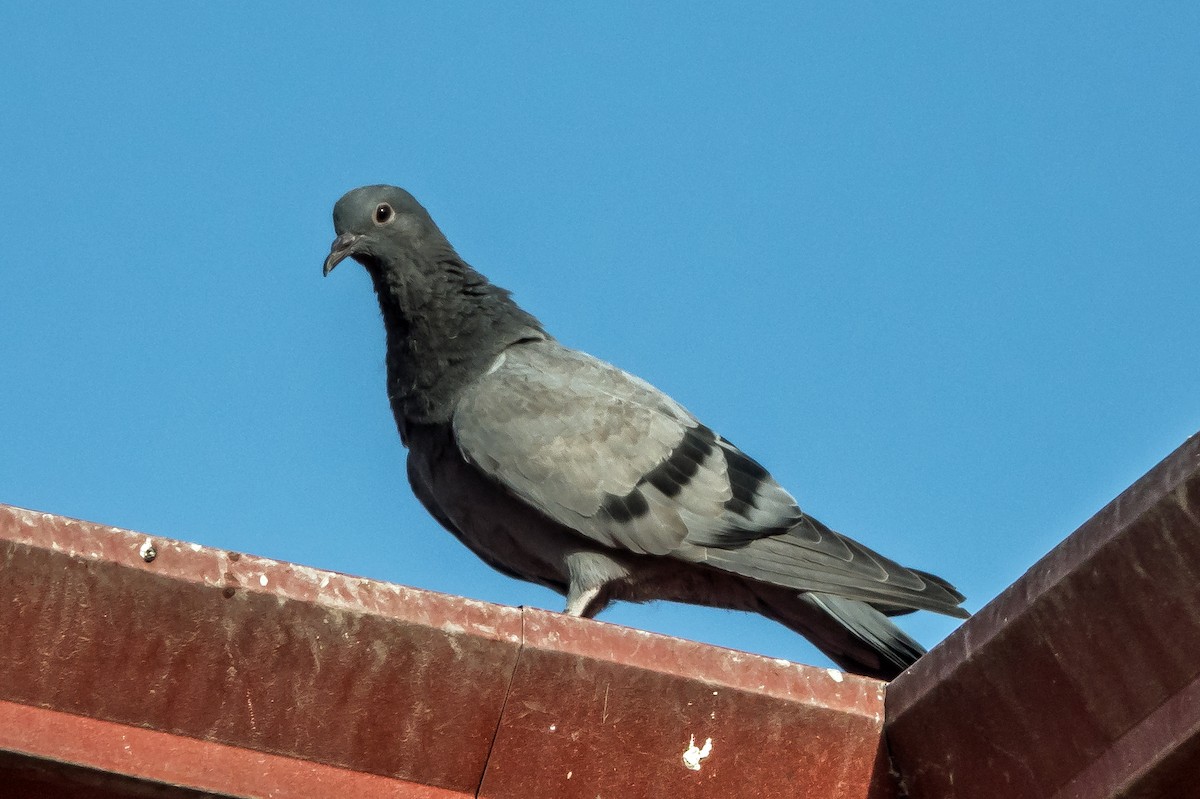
852,634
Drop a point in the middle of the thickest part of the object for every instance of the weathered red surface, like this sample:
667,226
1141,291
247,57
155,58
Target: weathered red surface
1082,679
610,711
120,760
186,670
249,652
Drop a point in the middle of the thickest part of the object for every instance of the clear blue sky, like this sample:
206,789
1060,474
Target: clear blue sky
935,266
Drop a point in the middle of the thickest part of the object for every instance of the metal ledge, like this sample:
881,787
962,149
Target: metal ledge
1080,680
136,665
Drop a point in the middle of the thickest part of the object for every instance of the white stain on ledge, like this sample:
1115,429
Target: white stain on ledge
694,754
835,675
262,580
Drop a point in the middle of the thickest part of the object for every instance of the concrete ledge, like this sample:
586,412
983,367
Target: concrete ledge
138,665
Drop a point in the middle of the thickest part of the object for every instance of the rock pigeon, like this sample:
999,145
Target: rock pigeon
560,469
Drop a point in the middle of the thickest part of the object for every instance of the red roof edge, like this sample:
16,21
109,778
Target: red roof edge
136,665
1082,679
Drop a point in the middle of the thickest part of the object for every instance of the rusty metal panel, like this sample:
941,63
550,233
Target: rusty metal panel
139,666
597,710
1082,679
45,754
251,653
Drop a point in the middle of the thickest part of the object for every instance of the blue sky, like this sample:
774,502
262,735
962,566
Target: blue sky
936,266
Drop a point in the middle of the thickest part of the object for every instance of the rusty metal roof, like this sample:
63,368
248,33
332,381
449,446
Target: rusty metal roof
131,659
134,665
1082,679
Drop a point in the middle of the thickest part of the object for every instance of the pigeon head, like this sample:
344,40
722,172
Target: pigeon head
445,322
377,225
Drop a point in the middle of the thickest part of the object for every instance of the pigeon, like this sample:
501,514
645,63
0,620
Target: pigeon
558,468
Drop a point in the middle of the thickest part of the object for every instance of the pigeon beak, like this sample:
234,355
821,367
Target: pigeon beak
343,246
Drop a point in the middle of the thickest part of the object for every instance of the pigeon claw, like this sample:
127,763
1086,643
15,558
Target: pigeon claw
343,246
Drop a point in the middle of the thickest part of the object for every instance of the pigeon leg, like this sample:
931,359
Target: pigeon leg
579,600
590,576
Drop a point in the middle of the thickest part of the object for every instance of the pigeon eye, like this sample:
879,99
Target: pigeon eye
383,214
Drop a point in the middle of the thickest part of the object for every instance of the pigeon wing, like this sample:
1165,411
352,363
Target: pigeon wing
613,458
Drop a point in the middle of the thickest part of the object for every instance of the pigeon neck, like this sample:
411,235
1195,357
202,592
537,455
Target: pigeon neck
445,326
